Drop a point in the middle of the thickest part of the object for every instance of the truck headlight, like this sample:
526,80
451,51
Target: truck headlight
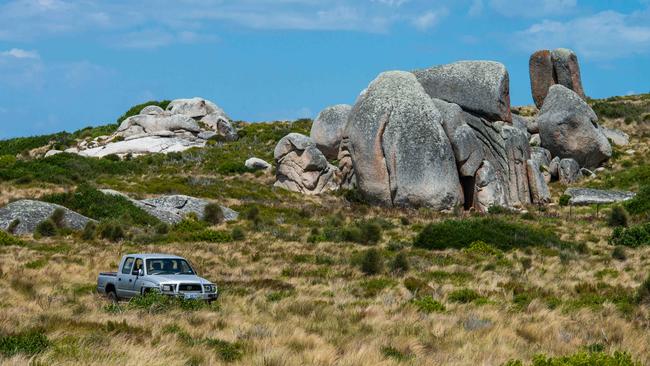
209,288
168,288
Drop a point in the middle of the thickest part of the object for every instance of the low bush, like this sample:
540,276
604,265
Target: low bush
640,204
111,230
213,214
154,302
618,217
495,231
633,236
580,359
57,217
372,262
372,287
11,229
46,228
618,253
643,292
27,343
463,296
90,231
400,263
211,236
427,304
237,234
8,239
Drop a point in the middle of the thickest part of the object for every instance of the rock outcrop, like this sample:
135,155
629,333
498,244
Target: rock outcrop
481,87
548,68
155,130
539,191
588,196
327,129
29,214
617,137
301,167
569,129
398,146
171,209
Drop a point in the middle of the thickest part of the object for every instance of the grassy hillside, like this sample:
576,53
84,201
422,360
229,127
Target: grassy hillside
323,280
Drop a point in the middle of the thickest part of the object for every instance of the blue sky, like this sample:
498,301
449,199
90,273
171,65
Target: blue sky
69,64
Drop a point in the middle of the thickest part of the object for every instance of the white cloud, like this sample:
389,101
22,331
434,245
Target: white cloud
18,53
476,9
533,8
170,20
429,19
603,36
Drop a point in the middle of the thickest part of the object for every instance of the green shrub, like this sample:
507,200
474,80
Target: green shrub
135,110
415,285
463,296
11,229
565,200
400,263
372,287
57,217
8,239
618,217
92,203
238,234
28,343
372,262
495,231
213,214
427,304
162,228
618,253
633,236
111,230
46,228
640,204
397,355
581,359
371,232
211,236
643,292
226,351
253,214
90,231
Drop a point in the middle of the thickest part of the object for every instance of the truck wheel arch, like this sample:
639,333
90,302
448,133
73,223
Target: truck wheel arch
110,288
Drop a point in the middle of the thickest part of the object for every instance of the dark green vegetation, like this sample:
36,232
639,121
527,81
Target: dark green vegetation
8,239
28,343
92,203
581,359
630,109
137,108
633,236
498,232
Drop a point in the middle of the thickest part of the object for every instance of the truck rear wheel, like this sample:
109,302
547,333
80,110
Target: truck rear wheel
112,296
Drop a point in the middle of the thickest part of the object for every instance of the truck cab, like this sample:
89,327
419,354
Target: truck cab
171,275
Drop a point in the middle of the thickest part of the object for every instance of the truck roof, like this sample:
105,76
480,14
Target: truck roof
153,255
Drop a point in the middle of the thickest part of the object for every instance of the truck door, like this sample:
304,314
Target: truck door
125,279
137,280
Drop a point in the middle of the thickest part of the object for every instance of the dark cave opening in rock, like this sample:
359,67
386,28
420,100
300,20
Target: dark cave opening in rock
467,183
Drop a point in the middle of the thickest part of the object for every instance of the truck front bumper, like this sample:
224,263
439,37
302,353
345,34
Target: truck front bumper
211,296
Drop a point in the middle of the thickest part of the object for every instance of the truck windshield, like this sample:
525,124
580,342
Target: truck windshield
168,266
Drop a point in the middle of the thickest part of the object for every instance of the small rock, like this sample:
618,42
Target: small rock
257,164
618,137
535,140
206,135
152,110
630,152
569,171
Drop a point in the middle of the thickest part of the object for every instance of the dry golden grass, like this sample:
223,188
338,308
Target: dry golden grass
327,319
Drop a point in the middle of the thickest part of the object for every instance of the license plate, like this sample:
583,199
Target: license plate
192,296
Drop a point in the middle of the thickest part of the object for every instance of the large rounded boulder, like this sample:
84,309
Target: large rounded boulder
26,215
481,87
569,128
194,107
327,129
399,149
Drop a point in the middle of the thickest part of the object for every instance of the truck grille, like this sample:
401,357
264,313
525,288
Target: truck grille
189,287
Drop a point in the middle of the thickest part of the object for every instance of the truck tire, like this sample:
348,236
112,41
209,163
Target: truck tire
112,296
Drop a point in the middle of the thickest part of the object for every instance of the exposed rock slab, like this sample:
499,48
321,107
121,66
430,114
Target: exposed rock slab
569,128
153,123
30,213
301,167
194,107
482,87
327,129
401,154
144,145
171,209
589,196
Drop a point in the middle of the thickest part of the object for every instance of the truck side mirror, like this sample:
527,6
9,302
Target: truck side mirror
140,272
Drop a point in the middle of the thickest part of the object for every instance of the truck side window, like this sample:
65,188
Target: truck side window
128,264
138,266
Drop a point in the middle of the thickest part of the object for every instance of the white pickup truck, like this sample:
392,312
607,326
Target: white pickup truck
168,274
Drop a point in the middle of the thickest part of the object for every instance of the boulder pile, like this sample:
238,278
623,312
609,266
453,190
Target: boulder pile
445,137
186,123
